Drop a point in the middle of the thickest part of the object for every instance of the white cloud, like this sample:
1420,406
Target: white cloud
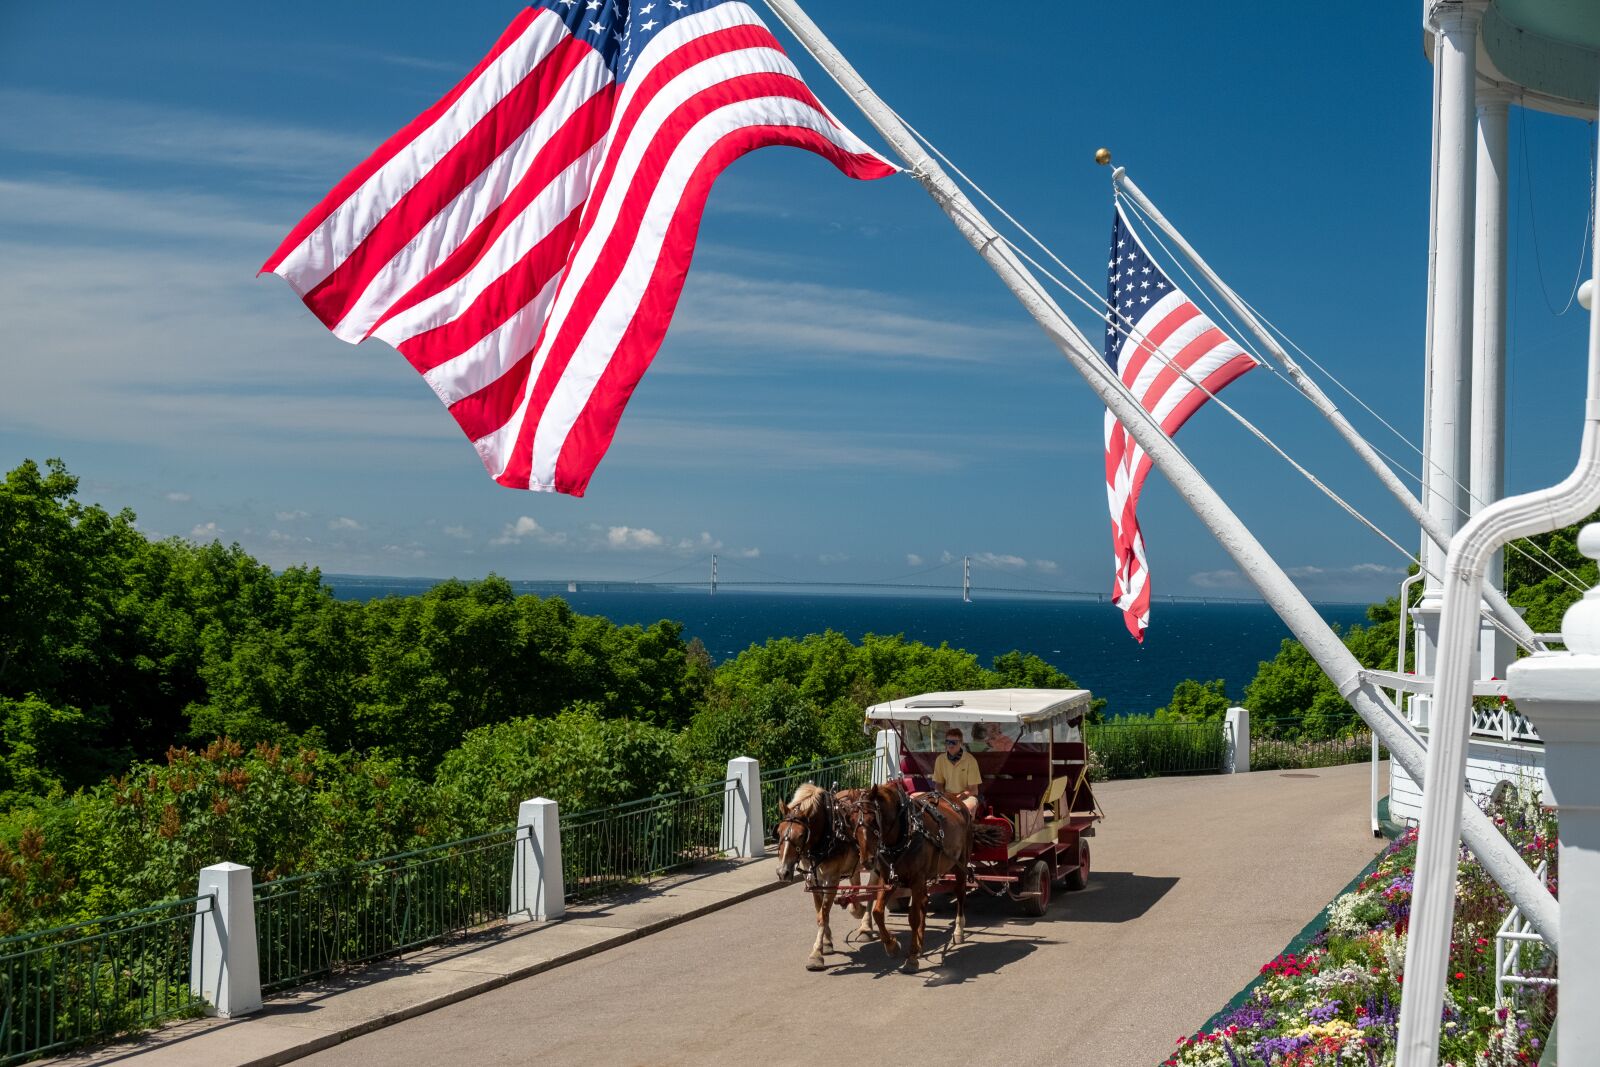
102,128
526,528
1219,579
705,543
946,557
630,538
177,497
748,553
1046,566
344,522
460,533
405,551
829,558
913,560
205,531
1002,561
738,311
293,516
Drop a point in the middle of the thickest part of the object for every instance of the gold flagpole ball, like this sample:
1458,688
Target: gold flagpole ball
1102,156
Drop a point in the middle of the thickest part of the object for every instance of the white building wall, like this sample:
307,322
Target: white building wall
1489,763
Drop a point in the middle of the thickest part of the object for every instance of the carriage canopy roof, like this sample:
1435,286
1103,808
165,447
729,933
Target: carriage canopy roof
985,705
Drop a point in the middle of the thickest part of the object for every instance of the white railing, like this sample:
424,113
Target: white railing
1508,941
1502,722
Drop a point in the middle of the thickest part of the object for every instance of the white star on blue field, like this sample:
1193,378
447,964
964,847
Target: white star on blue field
846,392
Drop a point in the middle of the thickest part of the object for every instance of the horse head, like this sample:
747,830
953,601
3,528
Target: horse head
799,829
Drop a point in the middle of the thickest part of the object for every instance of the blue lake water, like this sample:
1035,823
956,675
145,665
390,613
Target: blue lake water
1085,640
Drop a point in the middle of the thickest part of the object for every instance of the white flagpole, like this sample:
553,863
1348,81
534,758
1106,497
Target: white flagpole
1499,858
1518,628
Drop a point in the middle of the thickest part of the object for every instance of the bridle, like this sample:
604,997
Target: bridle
820,846
912,831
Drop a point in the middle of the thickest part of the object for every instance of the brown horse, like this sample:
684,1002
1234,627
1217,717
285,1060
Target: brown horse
817,839
912,841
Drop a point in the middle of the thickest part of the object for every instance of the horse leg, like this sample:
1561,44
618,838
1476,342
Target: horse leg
918,916
860,910
815,961
827,908
890,944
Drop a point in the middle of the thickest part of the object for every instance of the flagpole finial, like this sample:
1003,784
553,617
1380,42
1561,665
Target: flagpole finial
1102,156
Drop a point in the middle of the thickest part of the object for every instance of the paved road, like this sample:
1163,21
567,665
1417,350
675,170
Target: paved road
1197,881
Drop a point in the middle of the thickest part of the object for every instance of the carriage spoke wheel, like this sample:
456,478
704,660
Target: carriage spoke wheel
1079,879
1036,879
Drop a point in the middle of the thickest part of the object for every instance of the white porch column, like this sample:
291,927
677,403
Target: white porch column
538,885
886,760
224,966
1455,24
1488,445
742,831
1236,758
1560,692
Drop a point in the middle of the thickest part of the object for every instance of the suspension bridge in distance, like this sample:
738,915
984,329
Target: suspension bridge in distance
765,582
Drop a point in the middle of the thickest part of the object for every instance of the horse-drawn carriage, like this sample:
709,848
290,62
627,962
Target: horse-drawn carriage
908,839
1036,795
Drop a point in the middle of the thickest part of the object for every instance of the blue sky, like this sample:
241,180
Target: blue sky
847,392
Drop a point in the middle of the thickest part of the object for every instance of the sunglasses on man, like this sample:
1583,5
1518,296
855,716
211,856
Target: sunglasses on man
952,740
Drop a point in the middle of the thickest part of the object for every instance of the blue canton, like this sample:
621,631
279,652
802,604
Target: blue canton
619,29
1135,283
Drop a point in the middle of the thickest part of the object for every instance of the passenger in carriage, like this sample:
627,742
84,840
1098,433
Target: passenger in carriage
957,775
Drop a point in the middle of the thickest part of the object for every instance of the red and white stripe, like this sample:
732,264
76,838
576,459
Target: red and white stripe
1173,333
523,243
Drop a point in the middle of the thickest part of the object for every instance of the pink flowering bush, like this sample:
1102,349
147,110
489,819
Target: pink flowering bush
1337,1003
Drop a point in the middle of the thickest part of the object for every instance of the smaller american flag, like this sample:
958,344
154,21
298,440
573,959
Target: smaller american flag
1154,336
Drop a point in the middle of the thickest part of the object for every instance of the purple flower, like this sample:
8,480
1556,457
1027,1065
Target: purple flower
1323,1012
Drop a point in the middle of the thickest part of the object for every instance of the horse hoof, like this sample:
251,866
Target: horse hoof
910,965
816,963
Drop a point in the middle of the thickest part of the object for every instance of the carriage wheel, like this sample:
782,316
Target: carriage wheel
1036,879
1079,879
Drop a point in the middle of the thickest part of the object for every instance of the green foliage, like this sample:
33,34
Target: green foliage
144,836
1531,584
1194,701
576,758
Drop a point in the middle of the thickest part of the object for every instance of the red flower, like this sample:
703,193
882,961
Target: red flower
1460,975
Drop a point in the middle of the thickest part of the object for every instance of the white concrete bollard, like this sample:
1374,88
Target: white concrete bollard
886,760
1560,693
538,887
743,834
1236,759
224,965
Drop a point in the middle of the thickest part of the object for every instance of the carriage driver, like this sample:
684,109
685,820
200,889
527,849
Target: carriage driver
957,775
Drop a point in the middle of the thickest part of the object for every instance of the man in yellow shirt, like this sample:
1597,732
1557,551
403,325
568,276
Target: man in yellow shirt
956,773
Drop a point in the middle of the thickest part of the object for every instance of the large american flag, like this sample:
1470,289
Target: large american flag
524,241
1152,330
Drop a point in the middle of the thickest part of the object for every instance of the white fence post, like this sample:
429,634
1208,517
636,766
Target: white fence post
1236,758
224,967
886,760
742,831
538,887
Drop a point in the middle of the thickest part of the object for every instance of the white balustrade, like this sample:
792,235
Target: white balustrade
223,963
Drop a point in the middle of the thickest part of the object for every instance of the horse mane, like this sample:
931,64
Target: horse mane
808,798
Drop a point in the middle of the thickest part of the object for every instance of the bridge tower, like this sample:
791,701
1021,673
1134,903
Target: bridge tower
966,579
713,574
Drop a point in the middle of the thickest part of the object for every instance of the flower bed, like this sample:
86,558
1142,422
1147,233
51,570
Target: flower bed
1336,999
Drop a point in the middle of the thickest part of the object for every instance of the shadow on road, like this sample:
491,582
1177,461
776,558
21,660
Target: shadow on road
1112,897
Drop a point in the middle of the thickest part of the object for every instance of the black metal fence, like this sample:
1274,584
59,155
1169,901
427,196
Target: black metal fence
309,925
852,771
1146,749
73,984
605,849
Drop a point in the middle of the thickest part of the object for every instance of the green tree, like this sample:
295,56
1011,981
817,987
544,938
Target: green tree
1194,701
577,758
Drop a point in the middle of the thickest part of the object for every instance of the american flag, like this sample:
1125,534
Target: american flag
1152,332
524,241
